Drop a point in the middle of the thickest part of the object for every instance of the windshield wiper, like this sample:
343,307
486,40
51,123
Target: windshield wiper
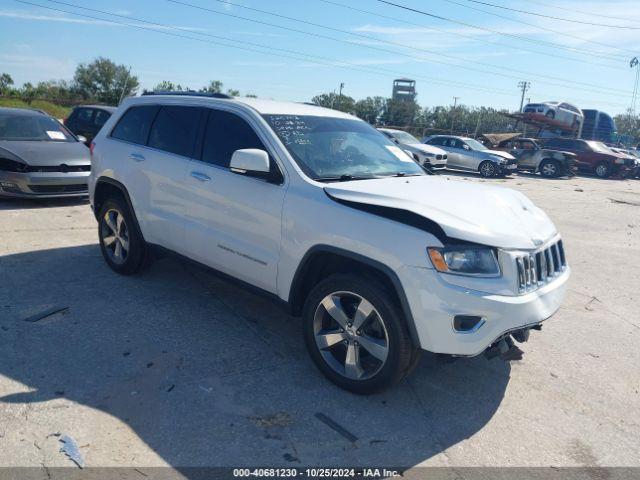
345,178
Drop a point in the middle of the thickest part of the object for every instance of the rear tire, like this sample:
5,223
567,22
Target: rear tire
550,169
603,170
488,169
121,243
356,334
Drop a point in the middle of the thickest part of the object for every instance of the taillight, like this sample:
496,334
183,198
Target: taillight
92,145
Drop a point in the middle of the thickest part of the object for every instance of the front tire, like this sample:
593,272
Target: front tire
603,170
121,243
550,169
488,169
356,334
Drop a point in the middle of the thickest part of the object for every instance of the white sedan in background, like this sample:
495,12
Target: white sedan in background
567,115
428,156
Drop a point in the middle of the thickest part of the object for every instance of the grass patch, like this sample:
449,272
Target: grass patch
52,109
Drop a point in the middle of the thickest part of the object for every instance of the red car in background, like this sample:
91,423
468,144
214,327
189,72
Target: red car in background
594,157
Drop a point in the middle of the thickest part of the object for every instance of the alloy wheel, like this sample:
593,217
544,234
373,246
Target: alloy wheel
488,169
350,335
549,169
601,170
115,236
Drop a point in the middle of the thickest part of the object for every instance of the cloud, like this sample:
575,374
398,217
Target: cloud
85,21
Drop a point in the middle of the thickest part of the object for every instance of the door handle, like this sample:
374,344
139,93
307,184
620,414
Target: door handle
201,177
138,157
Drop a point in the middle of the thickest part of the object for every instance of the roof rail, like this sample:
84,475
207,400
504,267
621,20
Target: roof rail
189,94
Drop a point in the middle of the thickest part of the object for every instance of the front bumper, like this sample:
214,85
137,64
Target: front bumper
43,184
434,303
507,168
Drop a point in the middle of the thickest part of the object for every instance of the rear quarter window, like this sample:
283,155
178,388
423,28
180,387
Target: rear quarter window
135,124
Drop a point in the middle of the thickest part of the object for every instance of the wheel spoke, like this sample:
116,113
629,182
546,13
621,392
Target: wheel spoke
374,346
331,303
352,368
329,339
124,242
362,313
108,219
117,252
108,241
119,223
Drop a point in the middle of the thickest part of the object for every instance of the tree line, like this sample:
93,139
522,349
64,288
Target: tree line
104,81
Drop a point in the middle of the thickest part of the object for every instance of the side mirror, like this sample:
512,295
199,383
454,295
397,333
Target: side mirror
250,161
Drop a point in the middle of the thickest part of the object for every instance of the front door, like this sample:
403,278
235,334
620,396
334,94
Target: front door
233,221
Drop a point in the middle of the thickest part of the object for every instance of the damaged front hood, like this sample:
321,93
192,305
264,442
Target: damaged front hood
500,153
489,215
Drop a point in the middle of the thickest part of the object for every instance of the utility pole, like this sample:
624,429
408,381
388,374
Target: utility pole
124,86
340,96
478,125
453,112
635,63
524,86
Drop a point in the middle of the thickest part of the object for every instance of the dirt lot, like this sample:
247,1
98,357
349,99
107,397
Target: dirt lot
175,367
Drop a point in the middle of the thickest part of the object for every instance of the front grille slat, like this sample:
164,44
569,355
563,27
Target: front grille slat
538,268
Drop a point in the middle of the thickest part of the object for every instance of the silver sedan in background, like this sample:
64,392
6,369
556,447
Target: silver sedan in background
472,156
39,157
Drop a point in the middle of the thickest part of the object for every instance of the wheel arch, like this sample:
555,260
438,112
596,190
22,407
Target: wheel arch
107,187
321,261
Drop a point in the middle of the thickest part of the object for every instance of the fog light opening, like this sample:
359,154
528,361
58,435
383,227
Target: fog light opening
467,323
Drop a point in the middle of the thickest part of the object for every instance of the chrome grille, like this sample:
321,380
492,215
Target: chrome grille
540,267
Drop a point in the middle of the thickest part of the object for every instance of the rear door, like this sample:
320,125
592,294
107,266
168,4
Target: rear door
233,220
157,143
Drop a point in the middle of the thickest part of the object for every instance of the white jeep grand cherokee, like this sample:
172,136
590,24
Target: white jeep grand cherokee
325,214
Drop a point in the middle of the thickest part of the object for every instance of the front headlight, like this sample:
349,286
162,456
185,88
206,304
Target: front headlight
498,159
473,261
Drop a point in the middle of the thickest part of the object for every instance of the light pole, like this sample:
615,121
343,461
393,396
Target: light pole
453,112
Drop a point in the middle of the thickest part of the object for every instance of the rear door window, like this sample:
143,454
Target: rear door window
174,129
100,118
225,133
135,124
83,116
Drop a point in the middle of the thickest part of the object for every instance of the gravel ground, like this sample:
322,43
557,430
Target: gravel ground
175,367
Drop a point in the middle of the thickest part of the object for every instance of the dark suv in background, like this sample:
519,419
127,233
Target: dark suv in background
593,157
87,120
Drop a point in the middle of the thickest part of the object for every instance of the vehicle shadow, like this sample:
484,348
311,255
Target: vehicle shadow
207,374
9,203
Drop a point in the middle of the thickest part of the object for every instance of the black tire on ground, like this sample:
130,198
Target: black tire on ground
343,290
488,169
603,170
550,114
551,169
116,217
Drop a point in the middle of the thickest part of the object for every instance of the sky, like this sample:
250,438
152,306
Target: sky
462,48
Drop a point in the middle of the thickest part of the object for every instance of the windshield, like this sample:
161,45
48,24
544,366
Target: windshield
474,144
404,137
32,127
329,148
599,147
